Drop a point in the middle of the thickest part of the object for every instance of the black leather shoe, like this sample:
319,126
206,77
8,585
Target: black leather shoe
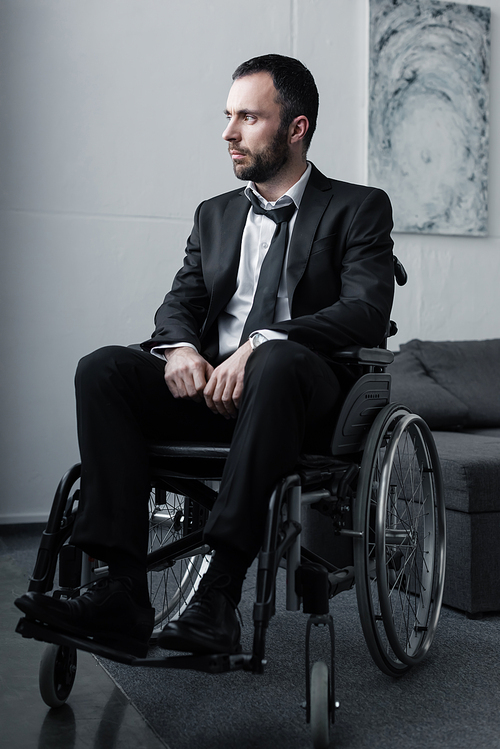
106,612
208,624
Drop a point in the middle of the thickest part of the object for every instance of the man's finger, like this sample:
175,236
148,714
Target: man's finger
237,393
213,395
198,383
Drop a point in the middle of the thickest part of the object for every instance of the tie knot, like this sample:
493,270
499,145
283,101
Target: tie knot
278,215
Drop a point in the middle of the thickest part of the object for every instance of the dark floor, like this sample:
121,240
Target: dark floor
451,700
98,715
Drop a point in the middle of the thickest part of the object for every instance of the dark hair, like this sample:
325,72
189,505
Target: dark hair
297,92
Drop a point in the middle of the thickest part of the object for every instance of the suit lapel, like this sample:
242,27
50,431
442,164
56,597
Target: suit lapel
317,195
224,286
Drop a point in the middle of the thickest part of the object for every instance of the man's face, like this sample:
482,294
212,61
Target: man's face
258,145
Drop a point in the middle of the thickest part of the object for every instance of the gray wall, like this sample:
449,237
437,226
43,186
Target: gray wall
111,115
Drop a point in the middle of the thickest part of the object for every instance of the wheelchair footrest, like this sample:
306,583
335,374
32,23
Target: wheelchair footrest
211,664
218,663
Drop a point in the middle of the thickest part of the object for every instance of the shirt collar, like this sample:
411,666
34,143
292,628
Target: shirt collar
294,194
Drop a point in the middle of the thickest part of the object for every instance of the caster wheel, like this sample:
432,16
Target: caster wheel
320,705
57,674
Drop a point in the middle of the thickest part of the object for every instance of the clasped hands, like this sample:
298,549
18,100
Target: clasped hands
189,375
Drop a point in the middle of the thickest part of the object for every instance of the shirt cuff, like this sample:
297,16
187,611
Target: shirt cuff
159,351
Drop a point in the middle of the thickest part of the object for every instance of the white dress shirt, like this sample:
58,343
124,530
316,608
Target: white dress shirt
255,241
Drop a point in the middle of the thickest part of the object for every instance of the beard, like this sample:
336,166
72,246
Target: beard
265,165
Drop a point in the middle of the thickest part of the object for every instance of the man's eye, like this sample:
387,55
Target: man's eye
249,118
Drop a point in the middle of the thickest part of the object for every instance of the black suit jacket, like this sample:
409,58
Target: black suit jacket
340,273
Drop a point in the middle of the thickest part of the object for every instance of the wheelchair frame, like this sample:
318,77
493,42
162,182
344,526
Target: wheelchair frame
381,489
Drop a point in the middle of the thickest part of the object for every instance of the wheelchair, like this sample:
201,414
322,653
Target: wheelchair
378,498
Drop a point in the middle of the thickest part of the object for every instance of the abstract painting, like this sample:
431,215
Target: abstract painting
428,113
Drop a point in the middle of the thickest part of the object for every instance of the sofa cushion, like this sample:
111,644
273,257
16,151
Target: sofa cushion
414,388
472,580
468,370
471,471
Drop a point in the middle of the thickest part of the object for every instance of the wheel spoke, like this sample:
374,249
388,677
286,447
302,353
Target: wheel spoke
170,589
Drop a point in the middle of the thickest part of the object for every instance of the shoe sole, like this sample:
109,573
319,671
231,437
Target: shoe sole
121,643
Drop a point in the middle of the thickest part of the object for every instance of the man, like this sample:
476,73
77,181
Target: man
248,349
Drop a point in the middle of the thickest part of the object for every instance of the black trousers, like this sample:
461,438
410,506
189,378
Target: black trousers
288,406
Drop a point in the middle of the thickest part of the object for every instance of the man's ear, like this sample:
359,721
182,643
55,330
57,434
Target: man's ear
298,128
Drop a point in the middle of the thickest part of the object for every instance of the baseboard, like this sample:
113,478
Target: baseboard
23,518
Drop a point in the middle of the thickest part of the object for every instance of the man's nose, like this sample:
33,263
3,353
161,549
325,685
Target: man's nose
231,132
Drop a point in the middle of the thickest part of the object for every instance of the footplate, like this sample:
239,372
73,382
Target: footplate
211,664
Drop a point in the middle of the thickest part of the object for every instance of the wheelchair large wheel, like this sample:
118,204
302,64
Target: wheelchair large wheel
171,517
400,561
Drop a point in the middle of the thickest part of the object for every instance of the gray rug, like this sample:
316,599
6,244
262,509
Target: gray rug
451,700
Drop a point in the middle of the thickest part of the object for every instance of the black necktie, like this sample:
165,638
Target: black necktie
266,293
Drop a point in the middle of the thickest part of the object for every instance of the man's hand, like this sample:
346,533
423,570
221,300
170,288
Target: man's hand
186,373
225,386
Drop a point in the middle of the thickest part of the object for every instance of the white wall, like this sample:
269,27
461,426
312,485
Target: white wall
110,122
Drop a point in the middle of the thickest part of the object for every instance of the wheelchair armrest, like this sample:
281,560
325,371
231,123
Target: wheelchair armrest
377,357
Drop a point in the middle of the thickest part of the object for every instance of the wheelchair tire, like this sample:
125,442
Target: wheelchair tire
320,705
171,588
400,561
57,673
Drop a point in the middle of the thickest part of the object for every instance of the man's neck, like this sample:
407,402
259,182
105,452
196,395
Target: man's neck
283,181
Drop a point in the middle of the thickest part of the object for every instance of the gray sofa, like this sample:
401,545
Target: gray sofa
455,387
